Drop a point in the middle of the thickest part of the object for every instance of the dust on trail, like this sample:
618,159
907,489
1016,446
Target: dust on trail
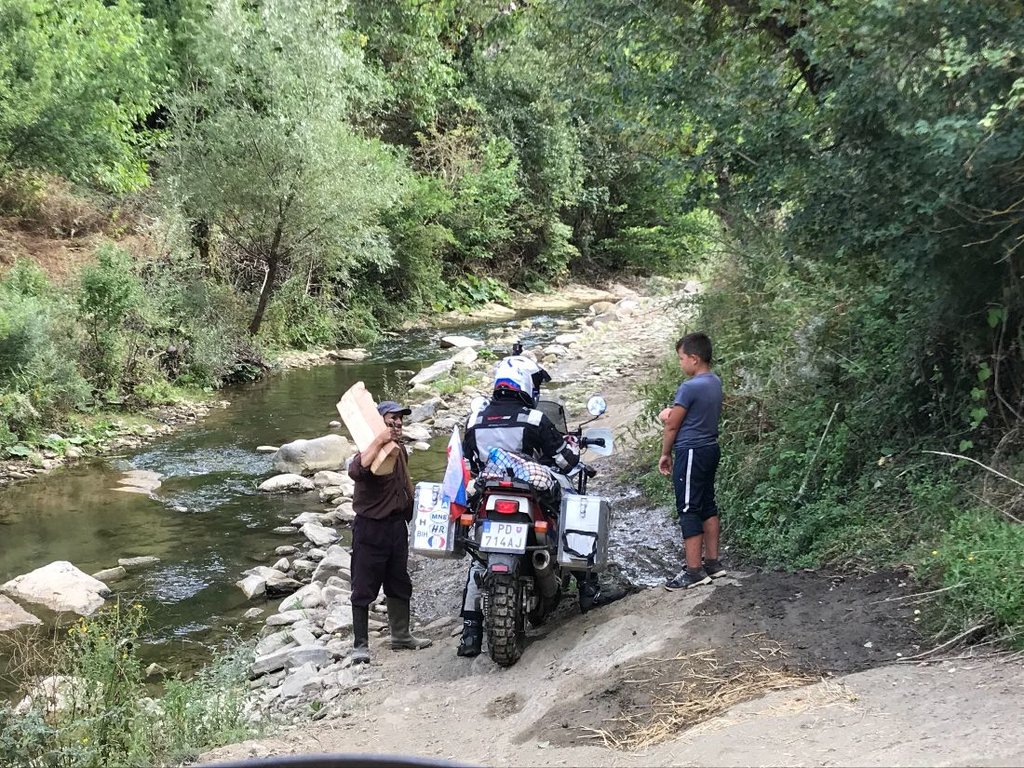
761,668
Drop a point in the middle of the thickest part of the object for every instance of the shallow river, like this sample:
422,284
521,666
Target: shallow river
211,470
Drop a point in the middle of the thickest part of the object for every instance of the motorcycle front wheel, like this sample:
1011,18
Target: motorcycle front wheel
504,631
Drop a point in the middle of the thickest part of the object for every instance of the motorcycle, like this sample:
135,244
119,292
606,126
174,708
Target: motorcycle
512,531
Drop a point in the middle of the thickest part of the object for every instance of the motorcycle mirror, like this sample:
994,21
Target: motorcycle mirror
596,406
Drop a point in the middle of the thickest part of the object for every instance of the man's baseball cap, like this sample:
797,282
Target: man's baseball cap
390,406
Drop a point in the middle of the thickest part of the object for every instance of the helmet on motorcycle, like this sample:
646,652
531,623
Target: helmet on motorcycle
537,374
511,380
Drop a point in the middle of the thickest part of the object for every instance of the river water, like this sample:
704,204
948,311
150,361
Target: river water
211,471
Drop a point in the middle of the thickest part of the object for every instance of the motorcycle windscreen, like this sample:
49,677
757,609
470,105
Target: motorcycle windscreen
555,411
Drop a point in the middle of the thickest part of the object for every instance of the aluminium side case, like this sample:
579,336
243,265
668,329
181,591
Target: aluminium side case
432,531
583,533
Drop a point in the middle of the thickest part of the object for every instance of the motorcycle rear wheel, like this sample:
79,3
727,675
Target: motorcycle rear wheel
505,634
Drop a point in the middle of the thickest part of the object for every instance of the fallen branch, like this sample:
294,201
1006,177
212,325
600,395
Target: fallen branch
810,466
948,644
918,594
975,461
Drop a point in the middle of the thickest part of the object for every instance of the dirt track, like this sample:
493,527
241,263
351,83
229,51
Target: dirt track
694,671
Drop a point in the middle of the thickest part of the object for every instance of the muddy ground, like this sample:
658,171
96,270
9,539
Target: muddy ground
761,668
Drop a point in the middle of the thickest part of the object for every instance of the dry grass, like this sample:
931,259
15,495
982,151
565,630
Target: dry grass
692,688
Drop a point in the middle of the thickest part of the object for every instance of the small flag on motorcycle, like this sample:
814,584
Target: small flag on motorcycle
456,477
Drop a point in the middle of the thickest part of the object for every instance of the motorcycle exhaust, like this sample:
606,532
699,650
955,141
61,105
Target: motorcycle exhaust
544,573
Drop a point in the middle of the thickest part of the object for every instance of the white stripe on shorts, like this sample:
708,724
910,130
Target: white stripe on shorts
689,469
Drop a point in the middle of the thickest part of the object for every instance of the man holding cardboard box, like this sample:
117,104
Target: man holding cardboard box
383,504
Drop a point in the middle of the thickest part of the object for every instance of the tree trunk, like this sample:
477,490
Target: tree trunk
273,261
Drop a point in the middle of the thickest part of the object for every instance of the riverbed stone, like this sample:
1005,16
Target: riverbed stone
309,456
424,410
303,681
135,563
566,338
307,517
331,492
465,357
337,561
338,620
267,448
54,694
303,635
278,586
108,575
289,658
309,596
556,350
354,355
318,534
334,595
143,479
286,550
432,372
460,342
288,617
285,529
281,565
286,483
339,516
316,553
60,587
13,616
253,613
273,642
326,477
302,567
416,432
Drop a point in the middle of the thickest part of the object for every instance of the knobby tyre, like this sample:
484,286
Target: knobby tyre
504,638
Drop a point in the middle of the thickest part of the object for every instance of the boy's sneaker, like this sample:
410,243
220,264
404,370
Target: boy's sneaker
714,569
687,579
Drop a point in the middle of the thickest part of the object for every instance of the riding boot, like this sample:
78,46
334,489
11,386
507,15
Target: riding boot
360,635
589,589
472,634
401,637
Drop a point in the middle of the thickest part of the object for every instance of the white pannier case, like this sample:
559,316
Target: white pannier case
432,532
583,533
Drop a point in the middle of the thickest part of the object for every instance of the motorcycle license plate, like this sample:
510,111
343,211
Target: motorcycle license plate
503,537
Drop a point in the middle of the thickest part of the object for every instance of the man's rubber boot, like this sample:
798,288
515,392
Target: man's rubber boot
360,635
472,635
401,637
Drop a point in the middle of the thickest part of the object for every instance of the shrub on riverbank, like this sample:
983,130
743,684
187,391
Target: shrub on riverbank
837,384
100,714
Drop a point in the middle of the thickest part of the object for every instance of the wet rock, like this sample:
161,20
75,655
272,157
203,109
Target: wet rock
13,616
141,480
334,424
73,452
303,568
601,307
432,372
330,493
340,515
309,456
60,587
267,449
281,565
315,553
460,342
355,355
566,338
286,550
135,563
277,586
308,517
253,613
109,575
156,672
318,534
285,529
285,483
327,477
420,446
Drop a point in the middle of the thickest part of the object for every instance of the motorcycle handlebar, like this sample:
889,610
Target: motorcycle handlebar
585,441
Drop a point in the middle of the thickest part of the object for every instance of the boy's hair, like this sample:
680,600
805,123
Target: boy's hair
696,344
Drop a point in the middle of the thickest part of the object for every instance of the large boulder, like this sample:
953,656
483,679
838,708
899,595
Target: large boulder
13,616
60,587
432,372
286,483
309,456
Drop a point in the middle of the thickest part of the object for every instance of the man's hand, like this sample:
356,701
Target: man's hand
665,465
663,416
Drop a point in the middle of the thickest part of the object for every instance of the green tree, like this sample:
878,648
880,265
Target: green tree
77,80
263,145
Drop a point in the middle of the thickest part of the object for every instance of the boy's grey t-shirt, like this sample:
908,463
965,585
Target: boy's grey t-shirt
701,396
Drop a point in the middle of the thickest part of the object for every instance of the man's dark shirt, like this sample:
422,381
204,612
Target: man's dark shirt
380,496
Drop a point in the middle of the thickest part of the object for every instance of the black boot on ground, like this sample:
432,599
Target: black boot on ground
399,617
360,635
472,636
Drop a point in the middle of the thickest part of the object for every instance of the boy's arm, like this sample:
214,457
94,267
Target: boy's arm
673,422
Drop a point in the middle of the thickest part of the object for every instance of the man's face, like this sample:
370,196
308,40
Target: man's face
394,423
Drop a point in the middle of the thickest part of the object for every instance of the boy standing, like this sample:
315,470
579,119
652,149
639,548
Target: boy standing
691,430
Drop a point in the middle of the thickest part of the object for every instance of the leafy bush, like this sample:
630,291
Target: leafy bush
97,712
